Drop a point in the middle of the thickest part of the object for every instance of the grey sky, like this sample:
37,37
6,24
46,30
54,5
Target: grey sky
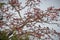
46,3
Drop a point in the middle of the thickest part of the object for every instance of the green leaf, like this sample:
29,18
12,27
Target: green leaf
24,37
3,35
1,4
14,37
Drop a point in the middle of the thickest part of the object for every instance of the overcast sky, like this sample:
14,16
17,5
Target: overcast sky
46,3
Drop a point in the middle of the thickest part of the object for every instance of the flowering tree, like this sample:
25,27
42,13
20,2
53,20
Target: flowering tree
30,24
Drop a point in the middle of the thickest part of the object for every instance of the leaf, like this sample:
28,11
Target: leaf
14,37
3,35
1,4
